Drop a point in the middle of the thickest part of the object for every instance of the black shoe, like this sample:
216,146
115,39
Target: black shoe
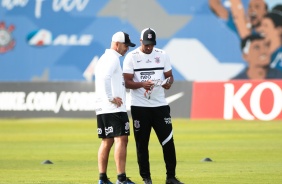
105,182
147,181
173,180
127,181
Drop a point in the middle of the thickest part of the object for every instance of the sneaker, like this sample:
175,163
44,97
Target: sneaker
121,182
105,182
147,181
173,180
127,181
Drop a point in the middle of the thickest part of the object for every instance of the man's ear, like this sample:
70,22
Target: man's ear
245,57
279,30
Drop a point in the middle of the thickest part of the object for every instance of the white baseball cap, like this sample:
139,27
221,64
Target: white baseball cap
122,37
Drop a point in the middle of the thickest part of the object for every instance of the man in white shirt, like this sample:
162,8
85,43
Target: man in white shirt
112,118
147,72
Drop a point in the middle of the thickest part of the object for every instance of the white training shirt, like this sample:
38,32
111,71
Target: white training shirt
109,83
147,67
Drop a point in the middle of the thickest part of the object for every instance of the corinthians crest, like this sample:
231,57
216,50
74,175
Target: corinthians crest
136,124
6,40
157,59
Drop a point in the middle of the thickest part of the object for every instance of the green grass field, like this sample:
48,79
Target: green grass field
243,152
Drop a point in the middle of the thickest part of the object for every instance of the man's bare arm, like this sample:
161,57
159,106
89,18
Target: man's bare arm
218,9
239,18
130,84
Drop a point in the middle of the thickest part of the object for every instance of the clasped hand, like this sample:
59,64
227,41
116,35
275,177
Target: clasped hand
117,101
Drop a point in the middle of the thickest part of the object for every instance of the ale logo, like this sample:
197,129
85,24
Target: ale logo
40,37
6,40
43,37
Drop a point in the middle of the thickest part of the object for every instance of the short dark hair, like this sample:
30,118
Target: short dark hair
250,38
275,15
266,6
277,7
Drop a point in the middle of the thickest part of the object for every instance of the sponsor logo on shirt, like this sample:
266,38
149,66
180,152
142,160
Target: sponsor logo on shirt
158,51
147,73
99,109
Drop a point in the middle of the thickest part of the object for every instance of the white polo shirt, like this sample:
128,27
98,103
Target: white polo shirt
109,83
147,67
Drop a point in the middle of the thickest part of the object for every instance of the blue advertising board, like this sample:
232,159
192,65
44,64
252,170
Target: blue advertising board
56,40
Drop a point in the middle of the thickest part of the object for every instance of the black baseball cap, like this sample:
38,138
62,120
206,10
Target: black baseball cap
148,36
122,37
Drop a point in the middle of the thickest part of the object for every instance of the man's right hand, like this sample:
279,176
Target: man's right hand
148,84
117,101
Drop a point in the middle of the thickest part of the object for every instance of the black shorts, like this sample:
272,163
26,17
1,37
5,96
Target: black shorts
113,125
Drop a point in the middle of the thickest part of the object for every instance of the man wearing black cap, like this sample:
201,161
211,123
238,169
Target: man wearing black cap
147,72
112,119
